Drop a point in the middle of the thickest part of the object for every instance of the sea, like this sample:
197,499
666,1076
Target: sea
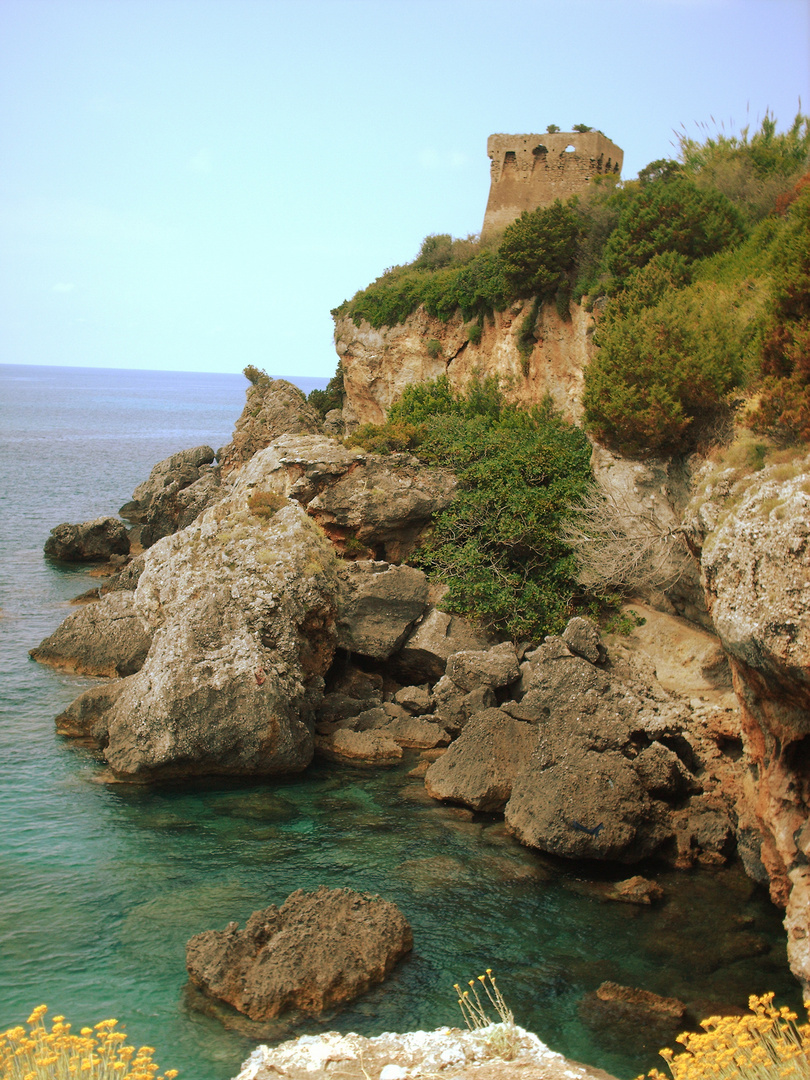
101,885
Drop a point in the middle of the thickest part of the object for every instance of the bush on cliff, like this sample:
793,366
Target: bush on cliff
497,547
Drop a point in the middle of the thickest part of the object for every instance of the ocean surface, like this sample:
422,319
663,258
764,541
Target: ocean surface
101,886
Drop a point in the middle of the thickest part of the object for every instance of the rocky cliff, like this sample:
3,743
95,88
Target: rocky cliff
379,364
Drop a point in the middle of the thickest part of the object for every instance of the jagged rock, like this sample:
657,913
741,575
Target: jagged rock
374,747
584,804
612,1008
635,890
377,606
423,657
662,773
423,1055
316,951
703,832
583,639
495,667
86,718
242,608
364,502
416,699
176,491
272,409
106,638
89,541
753,534
480,766
367,720
126,578
351,681
417,733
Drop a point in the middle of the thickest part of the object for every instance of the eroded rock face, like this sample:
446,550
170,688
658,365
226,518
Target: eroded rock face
378,605
175,492
754,539
241,609
89,541
316,951
420,1054
273,408
369,505
106,638
379,364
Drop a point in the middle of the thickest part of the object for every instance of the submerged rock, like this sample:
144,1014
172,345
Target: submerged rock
318,950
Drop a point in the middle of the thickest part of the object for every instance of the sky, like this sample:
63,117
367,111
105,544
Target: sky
192,185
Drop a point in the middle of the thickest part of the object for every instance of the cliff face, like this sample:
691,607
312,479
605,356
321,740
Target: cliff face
379,364
753,535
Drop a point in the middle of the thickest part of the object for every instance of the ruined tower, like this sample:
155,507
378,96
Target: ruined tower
528,171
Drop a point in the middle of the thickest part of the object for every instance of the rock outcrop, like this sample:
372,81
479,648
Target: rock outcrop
753,535
89,541
241,608
317,951
446,1052
106,638
176,491
379,364
274,407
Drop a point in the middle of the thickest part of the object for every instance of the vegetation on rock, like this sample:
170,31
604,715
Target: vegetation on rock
498,546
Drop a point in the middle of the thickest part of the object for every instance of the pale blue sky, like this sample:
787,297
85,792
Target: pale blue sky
193,184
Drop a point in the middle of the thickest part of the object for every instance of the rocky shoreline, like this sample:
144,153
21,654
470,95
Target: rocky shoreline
264,613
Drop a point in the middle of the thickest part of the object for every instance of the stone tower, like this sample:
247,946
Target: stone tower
528,171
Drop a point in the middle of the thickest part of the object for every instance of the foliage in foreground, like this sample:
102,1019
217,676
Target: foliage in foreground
498,546
503,1038
99,1053
765,1044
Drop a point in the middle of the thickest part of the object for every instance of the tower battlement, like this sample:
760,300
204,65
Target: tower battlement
528,171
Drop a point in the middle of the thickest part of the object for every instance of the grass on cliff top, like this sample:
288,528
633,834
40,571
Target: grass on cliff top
497,547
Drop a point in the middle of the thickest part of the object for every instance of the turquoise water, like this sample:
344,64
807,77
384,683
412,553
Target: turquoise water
103,885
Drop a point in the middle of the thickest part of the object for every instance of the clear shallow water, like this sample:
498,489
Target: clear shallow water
100,887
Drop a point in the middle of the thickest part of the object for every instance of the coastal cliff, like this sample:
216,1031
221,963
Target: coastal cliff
378,364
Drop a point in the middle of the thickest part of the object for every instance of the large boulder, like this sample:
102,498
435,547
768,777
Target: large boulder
436,637
273,407
176,491
106,638
89,541
316,951
377,607
241,607
480,766
368,504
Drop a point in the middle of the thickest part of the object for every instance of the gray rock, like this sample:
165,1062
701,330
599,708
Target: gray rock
479,768
416,699
423,657
582,638
359,747
377,606
106,638
272,409
86,718
89,541
317,951
661,772
241,608
496,667
585,805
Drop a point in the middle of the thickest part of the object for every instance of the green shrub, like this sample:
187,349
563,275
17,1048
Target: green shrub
497,546
264,504
434,349
783,410
538,250
669,215
323,401
255,375
475,331
668,357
